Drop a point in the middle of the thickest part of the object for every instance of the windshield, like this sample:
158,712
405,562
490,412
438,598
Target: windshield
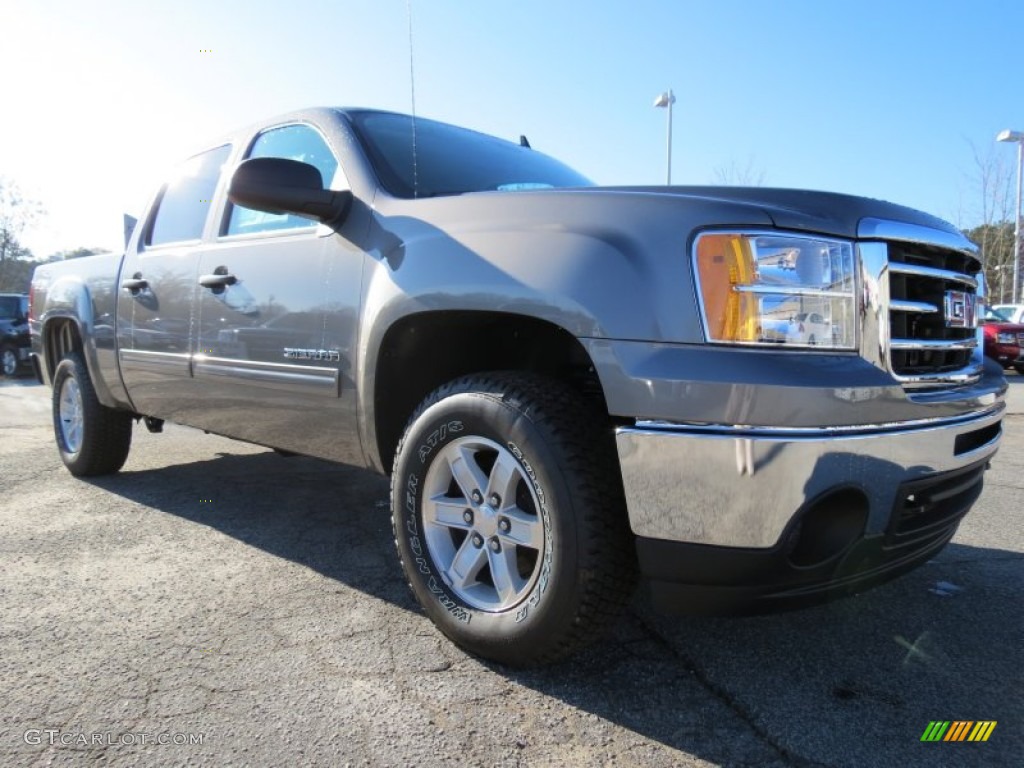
450,160
999,313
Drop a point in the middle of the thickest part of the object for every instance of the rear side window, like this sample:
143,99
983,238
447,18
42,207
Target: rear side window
9,306
185,201
291,142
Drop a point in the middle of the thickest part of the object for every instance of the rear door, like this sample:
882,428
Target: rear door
158,285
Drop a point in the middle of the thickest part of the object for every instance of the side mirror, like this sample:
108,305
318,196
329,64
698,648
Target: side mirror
277,185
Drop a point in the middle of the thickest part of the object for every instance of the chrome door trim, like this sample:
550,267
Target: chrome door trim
156,362
305,379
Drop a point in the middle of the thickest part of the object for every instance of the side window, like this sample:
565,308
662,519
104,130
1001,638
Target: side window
185,201
293,142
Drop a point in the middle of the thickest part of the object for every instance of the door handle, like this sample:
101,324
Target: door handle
217,280
135,283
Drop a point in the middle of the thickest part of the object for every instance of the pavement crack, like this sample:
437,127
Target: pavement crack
724,696
984,558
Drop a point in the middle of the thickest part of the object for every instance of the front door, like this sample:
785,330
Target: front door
276,317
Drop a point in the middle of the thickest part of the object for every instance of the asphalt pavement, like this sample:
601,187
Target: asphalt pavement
217,604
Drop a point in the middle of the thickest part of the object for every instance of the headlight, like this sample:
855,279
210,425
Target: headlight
1004,337
777,289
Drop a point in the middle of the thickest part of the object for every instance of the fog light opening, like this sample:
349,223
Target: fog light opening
827,528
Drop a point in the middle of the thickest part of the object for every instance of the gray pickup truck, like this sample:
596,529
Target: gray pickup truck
755,398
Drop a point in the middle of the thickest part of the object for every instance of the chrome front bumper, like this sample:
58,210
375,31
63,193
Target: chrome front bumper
742,487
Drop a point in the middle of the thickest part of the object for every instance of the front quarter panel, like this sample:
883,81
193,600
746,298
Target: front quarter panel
596,264
599,264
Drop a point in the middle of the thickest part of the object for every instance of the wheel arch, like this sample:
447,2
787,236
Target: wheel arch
421,351
63,333
67,323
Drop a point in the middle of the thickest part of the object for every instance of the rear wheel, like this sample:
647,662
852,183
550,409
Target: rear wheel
91,438
509,517
8,360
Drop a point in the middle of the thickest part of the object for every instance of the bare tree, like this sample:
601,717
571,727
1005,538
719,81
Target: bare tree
735,175
990,212
16,212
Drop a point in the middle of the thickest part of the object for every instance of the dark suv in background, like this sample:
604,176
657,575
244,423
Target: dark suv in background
15,342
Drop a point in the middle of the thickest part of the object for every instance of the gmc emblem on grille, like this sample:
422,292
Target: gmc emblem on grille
960,309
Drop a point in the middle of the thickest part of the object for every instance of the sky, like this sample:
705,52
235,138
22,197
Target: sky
893,99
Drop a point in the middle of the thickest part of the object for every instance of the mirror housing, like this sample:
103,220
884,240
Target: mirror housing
277,185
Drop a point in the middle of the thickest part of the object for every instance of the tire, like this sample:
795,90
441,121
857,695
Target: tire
91,438
9,360
532,576
1019,369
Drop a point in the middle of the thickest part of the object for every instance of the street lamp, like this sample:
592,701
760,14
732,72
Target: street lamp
667,99
1018,138
1000,269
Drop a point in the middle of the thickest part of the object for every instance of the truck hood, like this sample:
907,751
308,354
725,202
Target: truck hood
802,210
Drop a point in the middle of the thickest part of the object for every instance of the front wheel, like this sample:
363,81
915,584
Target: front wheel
509,517
1019,368
92,439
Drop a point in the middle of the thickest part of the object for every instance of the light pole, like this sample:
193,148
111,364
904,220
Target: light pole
667,99
1018,138
1000,269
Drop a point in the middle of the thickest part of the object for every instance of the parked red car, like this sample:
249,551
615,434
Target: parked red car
1004,341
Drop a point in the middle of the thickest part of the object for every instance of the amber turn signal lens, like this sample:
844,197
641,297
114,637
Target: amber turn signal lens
723,263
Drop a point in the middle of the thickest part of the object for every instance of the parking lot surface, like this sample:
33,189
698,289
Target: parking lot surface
217,604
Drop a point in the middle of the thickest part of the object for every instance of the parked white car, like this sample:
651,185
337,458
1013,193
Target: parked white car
1009,313
809,328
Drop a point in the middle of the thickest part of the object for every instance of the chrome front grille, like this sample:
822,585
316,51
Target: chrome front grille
926,336
922,294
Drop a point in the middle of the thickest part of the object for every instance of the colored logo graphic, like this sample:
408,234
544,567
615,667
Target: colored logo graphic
958,730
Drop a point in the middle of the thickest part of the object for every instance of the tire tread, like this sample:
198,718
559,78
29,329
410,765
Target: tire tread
607,559
107,432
